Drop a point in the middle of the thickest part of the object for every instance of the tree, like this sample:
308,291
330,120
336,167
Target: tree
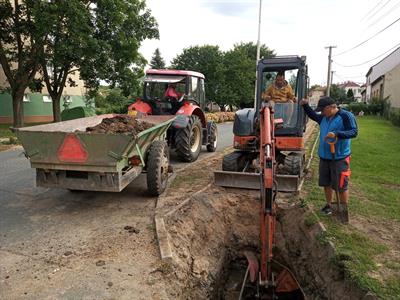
250,50
350,95
338,93
230,76
157,62
207,60
239,73
100,39
22,35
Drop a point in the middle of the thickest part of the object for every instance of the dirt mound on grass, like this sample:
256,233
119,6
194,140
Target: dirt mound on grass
120,124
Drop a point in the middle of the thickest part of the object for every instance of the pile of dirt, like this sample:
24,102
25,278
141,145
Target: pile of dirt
120,124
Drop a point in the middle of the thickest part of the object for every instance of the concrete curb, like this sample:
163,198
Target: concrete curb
163,241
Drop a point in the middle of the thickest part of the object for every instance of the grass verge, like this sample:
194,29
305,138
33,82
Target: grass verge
366,257
5,131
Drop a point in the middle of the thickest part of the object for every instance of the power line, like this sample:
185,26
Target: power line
362,43
371,10
386,3
365,62
384,15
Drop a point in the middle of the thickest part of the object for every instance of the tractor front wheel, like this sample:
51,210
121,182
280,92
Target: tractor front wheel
157,168
188,140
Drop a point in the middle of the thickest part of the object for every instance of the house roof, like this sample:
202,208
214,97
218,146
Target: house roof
349,84
384,65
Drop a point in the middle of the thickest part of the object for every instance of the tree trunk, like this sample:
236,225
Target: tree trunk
56,108
18,107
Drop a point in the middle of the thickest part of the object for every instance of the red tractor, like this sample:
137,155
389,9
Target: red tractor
180,93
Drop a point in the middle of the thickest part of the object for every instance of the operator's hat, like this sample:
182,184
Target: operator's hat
324,102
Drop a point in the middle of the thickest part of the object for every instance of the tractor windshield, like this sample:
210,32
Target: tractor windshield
281,88
156,86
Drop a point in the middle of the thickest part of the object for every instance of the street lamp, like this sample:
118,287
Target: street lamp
258,52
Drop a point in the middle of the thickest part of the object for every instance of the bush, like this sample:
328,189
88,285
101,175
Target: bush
394,117
111,101
355,108
377,107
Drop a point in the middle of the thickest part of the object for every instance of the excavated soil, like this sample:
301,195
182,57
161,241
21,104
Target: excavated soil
210,232
210,229
120,124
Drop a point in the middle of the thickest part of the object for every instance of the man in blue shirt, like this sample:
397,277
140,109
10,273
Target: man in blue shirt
334,122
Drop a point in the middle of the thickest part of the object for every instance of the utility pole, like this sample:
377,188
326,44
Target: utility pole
328,81
258,52
330,84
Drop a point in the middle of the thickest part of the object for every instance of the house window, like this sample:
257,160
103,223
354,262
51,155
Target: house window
26,98
46,98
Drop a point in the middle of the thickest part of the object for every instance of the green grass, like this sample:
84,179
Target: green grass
376,169
375,194
5,131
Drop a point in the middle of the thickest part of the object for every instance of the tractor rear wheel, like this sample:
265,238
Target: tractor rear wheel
188,140
212,146
157,168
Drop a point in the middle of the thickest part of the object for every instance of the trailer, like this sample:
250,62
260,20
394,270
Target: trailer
66,156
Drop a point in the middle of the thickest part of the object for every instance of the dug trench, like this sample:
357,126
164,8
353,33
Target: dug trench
209,230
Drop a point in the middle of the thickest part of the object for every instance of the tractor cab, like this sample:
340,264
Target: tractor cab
167,90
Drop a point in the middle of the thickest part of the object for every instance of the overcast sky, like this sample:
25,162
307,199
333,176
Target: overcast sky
291,27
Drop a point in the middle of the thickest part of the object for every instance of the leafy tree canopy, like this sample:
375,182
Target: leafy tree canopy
338,93
239,73
230,76
207,60
98,38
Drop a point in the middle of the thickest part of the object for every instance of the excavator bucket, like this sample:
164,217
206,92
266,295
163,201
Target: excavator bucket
243,180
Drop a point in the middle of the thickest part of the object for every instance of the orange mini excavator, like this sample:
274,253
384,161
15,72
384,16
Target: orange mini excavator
240,168
269,156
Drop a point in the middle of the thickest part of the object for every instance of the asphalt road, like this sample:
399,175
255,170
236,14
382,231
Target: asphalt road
55,244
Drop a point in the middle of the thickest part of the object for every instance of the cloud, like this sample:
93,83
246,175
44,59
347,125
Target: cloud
288,27
229,9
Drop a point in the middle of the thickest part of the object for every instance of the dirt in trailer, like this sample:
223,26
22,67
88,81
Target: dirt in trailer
120,124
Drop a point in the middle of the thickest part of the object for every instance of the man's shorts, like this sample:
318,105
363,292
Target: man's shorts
330,172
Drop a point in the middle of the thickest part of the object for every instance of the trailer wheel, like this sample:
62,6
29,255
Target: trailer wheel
188,140
157,168
211,147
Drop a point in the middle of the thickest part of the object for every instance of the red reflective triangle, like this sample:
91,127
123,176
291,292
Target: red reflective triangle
72,150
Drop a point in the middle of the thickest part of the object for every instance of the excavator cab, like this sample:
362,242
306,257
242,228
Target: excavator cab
241,167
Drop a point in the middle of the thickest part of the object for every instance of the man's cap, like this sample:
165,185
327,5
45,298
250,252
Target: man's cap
324,102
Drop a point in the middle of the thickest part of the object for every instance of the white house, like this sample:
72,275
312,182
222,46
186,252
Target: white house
383,79
355,87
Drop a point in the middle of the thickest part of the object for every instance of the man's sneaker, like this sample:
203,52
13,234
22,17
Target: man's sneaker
327,209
